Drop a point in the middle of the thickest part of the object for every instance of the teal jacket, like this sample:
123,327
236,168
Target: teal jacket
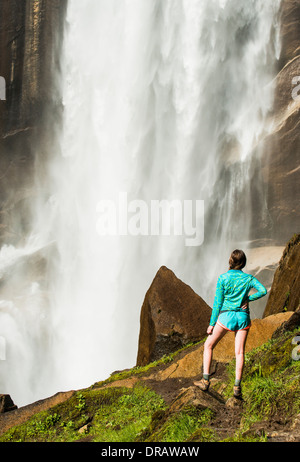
232,291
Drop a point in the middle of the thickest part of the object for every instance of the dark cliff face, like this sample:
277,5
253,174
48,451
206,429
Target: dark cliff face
285,291
281,156
31,33
290,31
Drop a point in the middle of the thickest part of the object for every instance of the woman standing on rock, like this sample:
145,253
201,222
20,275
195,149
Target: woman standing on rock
231,313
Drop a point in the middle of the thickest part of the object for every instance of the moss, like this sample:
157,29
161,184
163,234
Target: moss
240,437
274,355
115,414
276,397
270,385
178,426
203,435
112,414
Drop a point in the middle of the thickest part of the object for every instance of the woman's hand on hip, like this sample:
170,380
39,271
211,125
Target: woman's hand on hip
210,330
245,304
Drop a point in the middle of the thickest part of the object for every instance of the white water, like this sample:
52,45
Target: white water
162,100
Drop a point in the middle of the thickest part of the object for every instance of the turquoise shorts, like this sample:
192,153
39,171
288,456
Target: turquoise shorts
234,320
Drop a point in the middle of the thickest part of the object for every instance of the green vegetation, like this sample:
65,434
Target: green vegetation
117,414
112,414
178,426
271,382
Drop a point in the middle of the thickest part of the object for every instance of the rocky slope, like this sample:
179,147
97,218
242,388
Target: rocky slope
154,404
158,401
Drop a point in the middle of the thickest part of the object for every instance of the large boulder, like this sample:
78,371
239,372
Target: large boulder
172,315
285,291
6,404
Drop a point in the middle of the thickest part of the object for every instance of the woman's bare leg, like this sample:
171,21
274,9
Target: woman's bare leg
209,345
240,341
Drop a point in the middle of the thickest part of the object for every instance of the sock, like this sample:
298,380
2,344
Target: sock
206,376
237,382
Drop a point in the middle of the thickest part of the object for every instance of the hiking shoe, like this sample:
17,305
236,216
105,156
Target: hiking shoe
237,391
203,384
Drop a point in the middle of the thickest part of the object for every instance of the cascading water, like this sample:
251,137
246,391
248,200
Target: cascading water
163,100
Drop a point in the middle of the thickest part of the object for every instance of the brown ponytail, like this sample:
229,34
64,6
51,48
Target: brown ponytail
237,260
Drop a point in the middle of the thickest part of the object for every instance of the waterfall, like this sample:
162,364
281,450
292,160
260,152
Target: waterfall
162,100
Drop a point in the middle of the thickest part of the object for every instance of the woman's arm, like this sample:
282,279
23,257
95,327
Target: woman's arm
261,290
218,302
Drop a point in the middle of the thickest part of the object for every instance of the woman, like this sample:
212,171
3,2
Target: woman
231,313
